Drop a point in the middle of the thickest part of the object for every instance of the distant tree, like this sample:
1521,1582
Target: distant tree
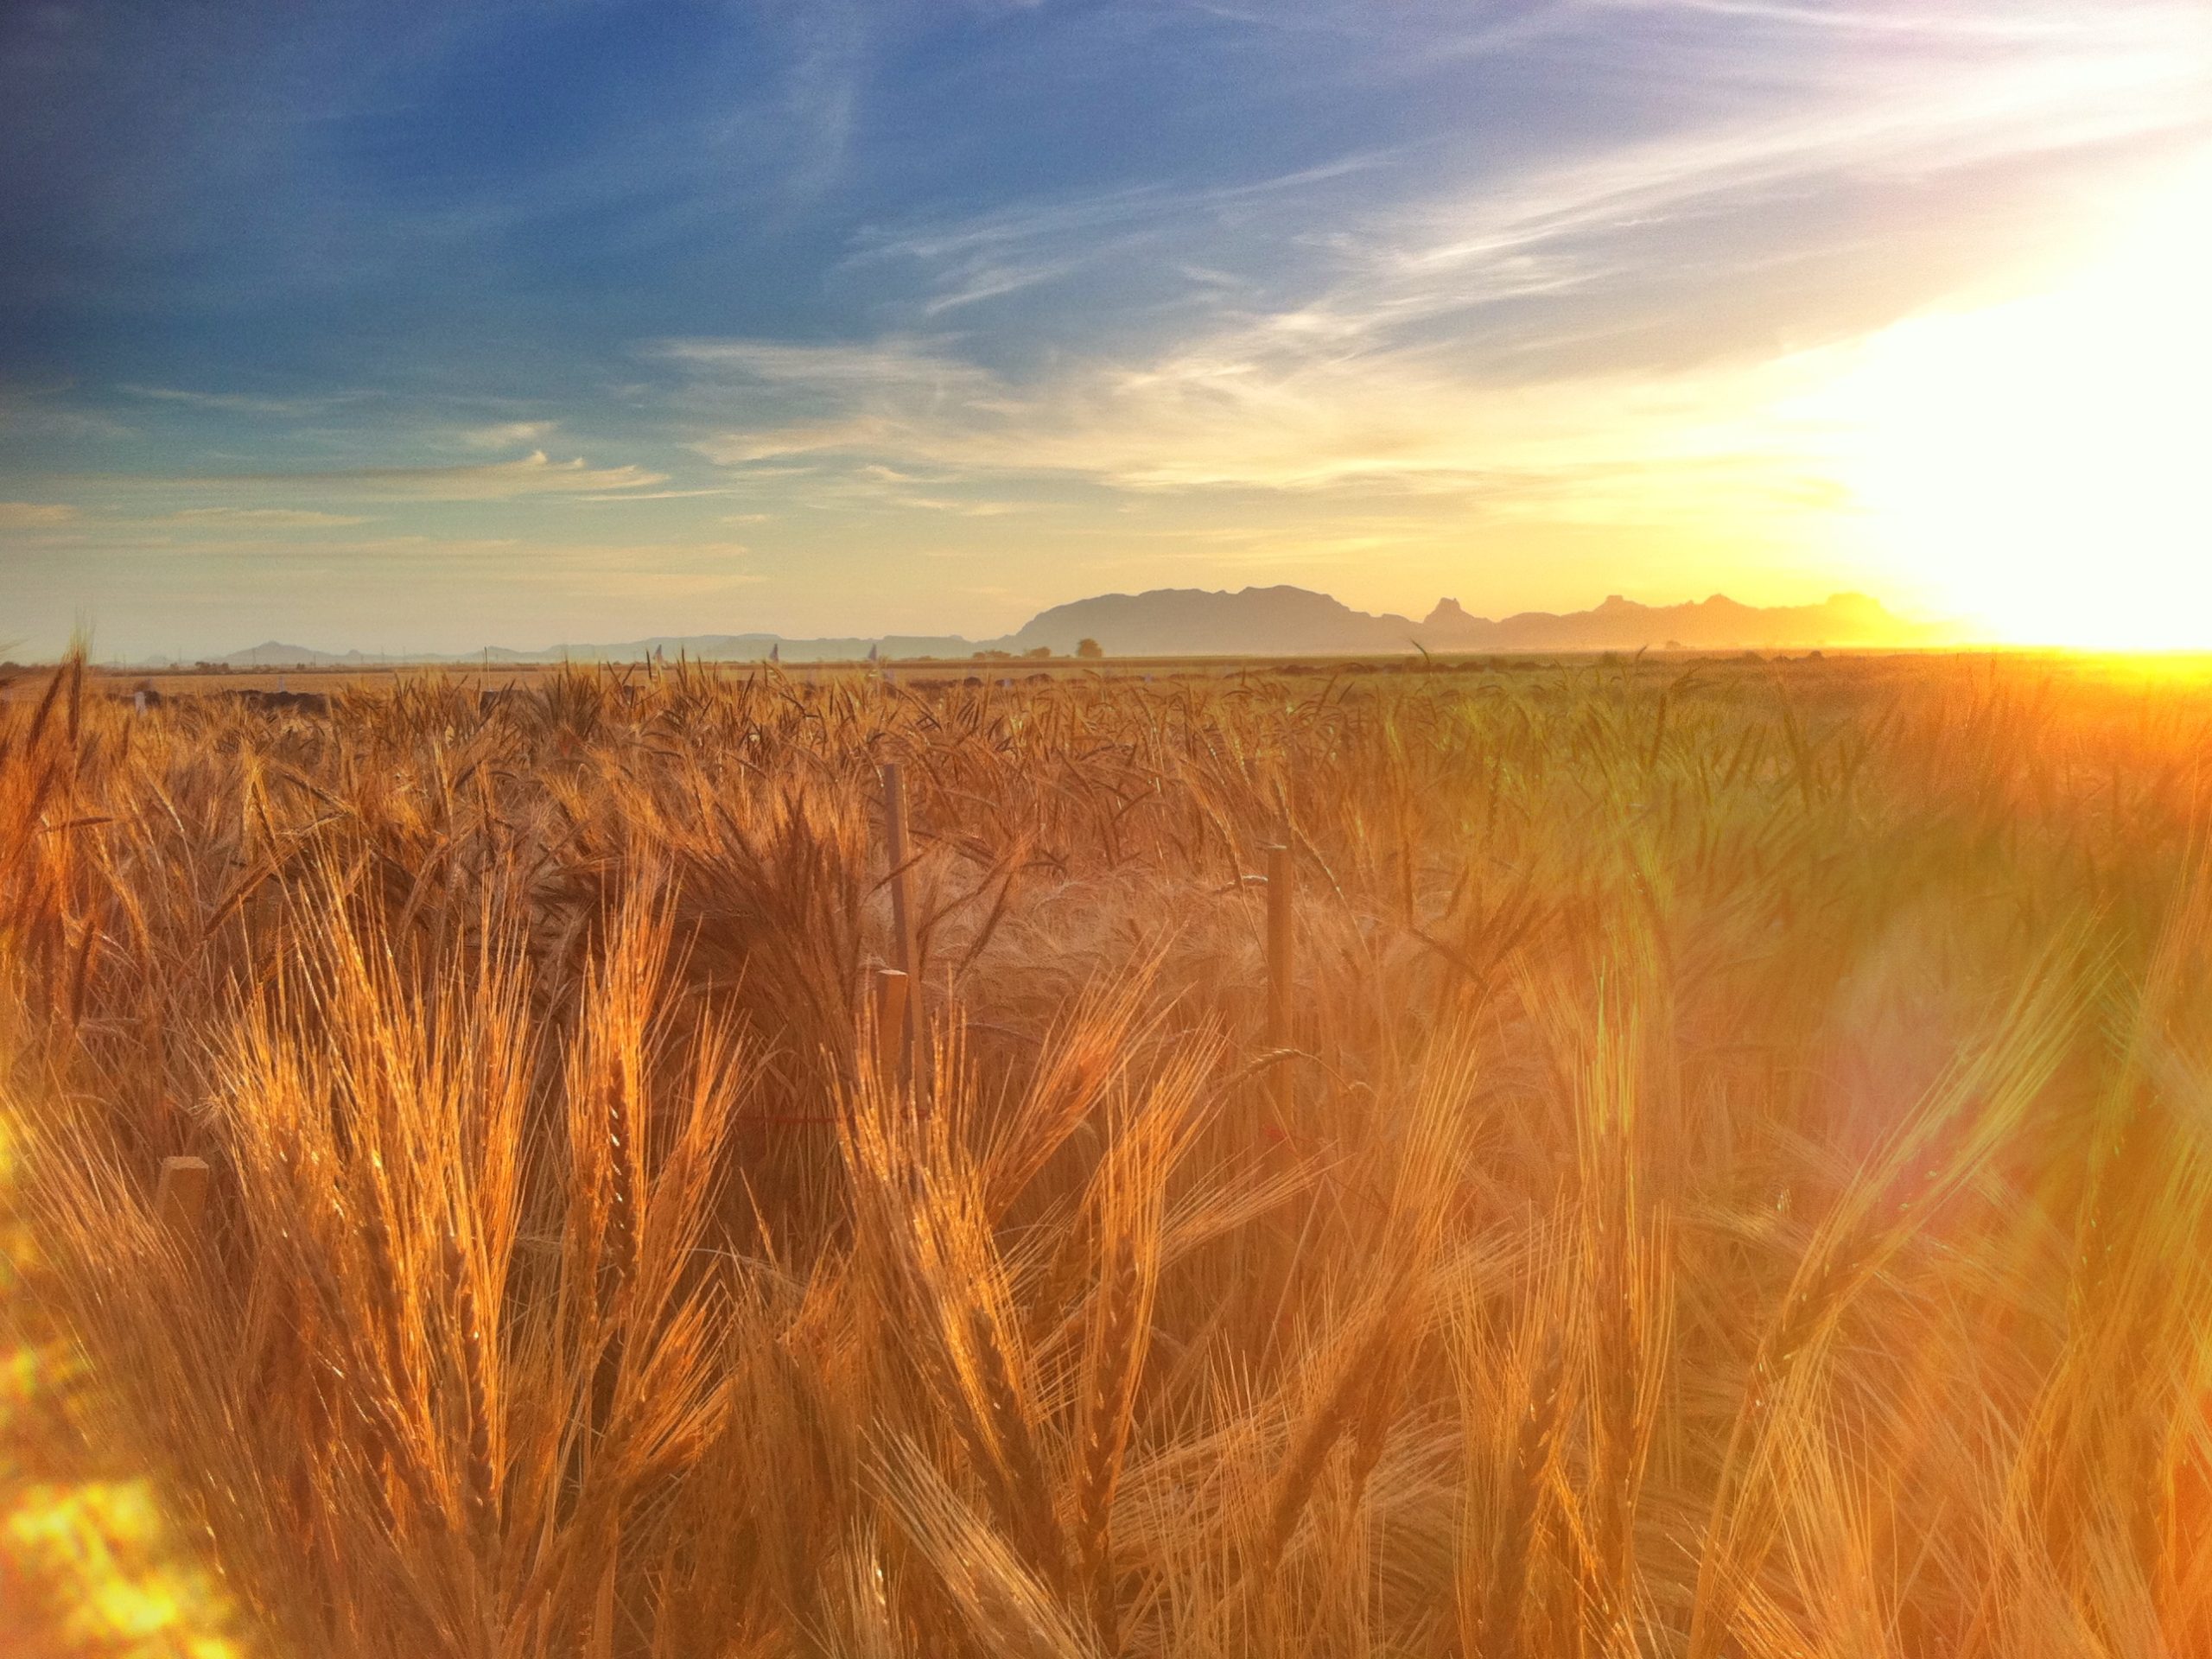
1090,650
1040,650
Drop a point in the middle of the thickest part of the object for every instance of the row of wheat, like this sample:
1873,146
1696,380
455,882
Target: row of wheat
1741,1186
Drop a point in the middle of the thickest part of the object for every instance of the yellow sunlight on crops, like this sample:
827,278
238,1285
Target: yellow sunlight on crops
2040,464
88,1563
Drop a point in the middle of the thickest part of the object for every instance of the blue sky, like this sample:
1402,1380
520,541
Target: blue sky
423,327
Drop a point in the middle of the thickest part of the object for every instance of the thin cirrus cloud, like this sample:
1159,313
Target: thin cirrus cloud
920,365
536,474
264,517
509,434
35,515
239,403
1004,250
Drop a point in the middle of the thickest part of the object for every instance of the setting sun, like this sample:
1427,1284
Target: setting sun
2041,463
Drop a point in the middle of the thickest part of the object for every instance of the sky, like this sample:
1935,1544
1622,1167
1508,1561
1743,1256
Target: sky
418,328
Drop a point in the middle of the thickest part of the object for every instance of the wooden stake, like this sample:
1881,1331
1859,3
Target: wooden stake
902,900
181,1196
1280,937
890,992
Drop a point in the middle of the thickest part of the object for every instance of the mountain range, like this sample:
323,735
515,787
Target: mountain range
1279,622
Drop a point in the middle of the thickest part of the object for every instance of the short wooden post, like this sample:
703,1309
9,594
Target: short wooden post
890,990
903,943
1281,966
180,1196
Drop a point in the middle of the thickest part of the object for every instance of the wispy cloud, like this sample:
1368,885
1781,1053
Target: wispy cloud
35,515
992,280
534,475
509,434
264,517
961,508
49,412
2031,22
1006,250
238,403
895,361
657,495
743,446
847,397
1241,413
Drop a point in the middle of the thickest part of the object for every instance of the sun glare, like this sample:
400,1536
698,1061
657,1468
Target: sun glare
2040,466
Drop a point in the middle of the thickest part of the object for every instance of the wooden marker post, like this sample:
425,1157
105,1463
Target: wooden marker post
890,992
897,851
181,1196
1281,966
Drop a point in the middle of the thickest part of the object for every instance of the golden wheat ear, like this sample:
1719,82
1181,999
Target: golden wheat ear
1006,1607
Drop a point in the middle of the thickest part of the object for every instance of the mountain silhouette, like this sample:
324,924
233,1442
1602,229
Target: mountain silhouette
1292,621
1704,625
1192,621
1279,621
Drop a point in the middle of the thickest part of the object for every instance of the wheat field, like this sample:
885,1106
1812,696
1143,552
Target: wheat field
1729,1172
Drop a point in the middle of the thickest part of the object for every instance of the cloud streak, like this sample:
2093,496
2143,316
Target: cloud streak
35,515
264,517
509,434
502,481
236,403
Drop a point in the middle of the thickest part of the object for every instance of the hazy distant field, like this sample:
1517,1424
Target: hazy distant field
1864,671
1736,1179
